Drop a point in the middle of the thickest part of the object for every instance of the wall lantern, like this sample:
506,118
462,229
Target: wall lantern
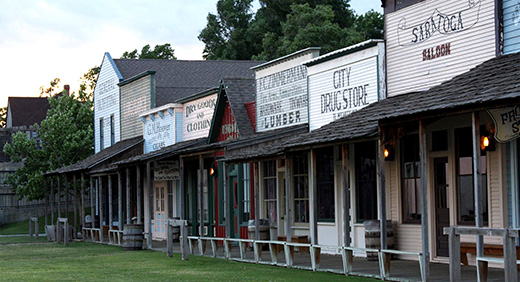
487,143
213,170
388,152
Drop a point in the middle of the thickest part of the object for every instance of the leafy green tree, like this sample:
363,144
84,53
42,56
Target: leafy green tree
370,25
67,136
226,34
310,27
87,85
49,91
164,51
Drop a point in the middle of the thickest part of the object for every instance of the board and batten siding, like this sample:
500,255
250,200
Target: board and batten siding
281,92
106,103
511,14
344,85
197,118
434,40
136,97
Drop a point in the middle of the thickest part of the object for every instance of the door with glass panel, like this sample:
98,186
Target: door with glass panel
160,209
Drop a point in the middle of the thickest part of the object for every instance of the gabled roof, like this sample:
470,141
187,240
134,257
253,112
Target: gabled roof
101,156
26,111
236,91
176,79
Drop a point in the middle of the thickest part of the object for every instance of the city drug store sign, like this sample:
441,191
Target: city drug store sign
339,91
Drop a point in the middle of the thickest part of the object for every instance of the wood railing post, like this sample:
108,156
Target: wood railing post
169,239
184,239
510,270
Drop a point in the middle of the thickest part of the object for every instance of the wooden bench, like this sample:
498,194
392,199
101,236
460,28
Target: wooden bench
489,250
295,239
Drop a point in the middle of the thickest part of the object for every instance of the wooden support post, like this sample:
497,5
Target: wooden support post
139,195
256,196
30,228
74,187
382,189
128,199
82,177
315,257
424,202
214,248
346,196
59,196
289,254
313,199
510,270
149,181
46,192
477,185
183,189
110,208
454,252
200,197
37,228
92,204
66,191
53,200
227,201
288,197
273,250
100,192
348,260
120,222
184,239
169,238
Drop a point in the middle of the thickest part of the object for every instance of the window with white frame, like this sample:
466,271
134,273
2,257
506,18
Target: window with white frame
301,188
269,185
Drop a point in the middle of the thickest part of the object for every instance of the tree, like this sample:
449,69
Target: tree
48,92
370,25
309,27
87,85
235,33
67,136
164,51
225,36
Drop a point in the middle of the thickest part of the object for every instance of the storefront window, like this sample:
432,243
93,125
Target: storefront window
410,179
301,188
325,183
465,189
366,181
269,181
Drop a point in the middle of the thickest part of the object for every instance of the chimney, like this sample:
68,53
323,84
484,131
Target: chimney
67,87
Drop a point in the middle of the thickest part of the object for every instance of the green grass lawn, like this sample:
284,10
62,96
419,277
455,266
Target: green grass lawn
22,227
22,239
81,261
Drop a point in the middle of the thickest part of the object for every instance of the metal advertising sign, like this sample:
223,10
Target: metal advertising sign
507,123
166,170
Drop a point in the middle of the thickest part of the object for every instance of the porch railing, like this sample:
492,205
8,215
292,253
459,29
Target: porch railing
115,237
509,260
199,246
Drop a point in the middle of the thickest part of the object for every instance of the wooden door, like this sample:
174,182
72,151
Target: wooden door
160,210
442,210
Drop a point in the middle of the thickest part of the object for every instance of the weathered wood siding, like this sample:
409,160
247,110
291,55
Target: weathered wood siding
464,38
106,102
136,97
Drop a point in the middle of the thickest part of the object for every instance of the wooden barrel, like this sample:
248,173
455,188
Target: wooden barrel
373,237
133,237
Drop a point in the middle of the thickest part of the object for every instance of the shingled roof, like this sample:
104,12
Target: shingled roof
239,92
176,79
100,157
26,111
490,84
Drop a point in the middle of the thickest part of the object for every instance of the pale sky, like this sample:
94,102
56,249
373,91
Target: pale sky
44,39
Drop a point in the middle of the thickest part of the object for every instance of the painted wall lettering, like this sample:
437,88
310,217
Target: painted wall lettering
438,23
439,51
197,117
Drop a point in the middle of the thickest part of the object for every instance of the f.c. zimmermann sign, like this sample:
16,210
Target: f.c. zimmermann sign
282,99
